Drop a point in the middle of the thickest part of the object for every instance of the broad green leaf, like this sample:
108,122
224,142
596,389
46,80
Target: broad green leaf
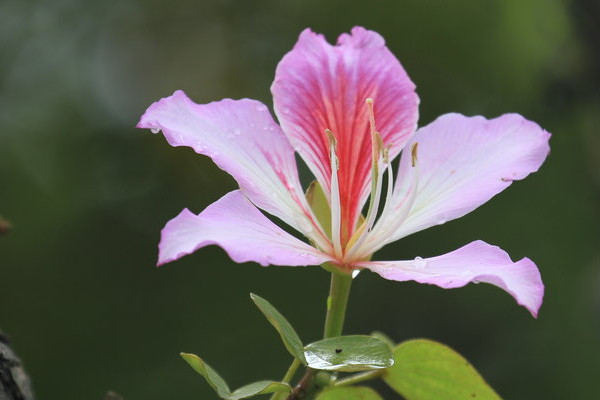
290,338
427,370
349,354
349,393
318,202
214,380
256,388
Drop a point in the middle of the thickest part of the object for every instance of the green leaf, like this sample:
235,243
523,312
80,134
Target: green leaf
349,393
256,388
214,380
384,337
290,338
349,354
220,386
427,370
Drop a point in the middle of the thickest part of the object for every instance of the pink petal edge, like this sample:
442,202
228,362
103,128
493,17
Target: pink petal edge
476,262
242,138
236,225
463,163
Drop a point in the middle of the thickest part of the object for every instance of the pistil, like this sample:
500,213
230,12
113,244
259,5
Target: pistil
335,196
378,151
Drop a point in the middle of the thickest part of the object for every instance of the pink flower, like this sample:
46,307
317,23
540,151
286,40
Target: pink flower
349,110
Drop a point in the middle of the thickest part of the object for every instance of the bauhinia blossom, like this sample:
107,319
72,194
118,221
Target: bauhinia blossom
349,110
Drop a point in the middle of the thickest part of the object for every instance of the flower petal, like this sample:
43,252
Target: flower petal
475,262
319,86
463,162
242,139
236,225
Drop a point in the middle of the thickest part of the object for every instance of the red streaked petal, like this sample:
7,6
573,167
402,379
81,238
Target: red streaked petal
319,86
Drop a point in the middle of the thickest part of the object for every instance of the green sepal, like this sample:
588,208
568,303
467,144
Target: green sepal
210,375
315,196
349,393
290,338
257,388
349,354
428,370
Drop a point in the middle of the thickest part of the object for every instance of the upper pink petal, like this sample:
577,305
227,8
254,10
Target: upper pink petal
319,86
243,139
475,262
237,226
462,163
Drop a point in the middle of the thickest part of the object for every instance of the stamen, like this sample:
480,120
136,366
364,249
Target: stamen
357,243
386,154
413,154
335,195
378,151
383,232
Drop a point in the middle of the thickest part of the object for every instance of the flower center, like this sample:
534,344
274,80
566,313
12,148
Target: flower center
371,232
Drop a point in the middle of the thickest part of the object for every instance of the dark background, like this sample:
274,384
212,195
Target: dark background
88,194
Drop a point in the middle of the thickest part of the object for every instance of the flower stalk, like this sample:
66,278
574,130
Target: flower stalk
337,302
287,379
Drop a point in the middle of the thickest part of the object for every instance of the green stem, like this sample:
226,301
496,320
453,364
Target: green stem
291,371
363,376
337,301
287,378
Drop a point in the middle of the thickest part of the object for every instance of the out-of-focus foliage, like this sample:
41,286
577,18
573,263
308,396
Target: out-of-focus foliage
87,194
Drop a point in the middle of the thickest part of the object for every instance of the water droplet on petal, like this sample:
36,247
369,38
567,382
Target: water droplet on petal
286,110
355,273
237,131
420,263
154,130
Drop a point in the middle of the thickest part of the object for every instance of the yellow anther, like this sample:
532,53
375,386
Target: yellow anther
413,153
369,102
331,137
332,148
386,153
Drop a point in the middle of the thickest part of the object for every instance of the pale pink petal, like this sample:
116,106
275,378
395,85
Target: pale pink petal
319,86
242,139
236,225
475,262
462,163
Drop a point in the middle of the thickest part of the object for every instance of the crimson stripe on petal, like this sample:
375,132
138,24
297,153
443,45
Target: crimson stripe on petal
319,86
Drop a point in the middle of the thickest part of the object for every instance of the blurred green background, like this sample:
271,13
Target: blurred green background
87,193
